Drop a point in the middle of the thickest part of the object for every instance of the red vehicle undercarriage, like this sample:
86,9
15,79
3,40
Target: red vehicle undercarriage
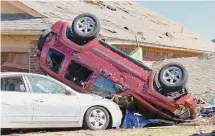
90,65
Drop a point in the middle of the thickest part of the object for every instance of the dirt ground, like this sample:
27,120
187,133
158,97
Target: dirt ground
201,74
198,127
162,131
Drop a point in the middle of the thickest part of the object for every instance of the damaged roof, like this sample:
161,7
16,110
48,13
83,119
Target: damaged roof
121,20
22,23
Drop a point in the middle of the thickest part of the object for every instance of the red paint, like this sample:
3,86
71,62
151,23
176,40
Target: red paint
139,86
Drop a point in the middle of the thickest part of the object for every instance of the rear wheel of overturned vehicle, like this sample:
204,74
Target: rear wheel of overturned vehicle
96,118
173,76
86,26
44,37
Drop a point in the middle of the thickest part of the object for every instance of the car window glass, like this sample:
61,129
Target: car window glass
103,86
54,60
43,85
77,73
15,84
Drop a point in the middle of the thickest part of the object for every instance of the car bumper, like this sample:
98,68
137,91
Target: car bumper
116,117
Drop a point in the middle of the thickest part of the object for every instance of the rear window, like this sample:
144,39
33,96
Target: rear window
54,60
12,84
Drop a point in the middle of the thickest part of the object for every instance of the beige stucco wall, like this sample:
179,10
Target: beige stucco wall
17,43
6,7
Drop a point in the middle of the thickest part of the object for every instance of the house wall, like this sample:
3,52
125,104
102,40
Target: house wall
151,53
18,53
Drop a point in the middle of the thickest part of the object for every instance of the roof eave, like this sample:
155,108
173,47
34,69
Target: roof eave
20,32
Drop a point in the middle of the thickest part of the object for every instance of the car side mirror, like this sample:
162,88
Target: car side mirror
68,92
119,88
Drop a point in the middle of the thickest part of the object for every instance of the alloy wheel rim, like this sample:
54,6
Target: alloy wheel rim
172,75
97,118
86,25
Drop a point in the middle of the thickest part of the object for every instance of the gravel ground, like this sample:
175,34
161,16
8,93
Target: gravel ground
198,127
201,72
162,131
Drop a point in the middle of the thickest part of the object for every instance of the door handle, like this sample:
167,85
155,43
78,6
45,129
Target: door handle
39,101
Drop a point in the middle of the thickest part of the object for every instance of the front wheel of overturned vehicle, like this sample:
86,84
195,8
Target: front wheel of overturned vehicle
96,118
173,76
44,37
86,26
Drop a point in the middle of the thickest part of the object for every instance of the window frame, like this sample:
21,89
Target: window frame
23,80
64,56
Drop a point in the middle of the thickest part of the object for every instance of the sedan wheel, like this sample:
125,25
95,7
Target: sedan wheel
96,118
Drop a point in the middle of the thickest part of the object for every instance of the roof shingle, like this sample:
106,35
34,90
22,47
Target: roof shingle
120,21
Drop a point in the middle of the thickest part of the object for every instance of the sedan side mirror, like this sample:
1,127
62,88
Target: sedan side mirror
68,92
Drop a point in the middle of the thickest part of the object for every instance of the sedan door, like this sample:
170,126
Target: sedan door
16,102
51,103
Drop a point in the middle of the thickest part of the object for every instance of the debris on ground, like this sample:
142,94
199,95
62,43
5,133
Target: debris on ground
209,111
132,120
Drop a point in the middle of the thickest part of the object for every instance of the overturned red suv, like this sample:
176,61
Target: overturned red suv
73,54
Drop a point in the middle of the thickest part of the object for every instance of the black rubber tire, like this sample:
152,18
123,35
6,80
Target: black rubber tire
179,84
87,124
91,35
43,38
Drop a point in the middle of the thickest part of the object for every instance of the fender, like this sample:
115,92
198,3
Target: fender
56,28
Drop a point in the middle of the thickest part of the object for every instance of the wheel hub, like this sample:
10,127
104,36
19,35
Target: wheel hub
85,25
97,118
172,75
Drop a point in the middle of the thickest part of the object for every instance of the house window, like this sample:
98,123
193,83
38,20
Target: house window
54,60
103,87
13,61
77,73
12,84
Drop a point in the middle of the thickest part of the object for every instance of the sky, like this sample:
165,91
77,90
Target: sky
197,16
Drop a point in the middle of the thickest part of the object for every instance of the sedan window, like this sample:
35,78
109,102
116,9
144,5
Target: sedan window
15,84
43,85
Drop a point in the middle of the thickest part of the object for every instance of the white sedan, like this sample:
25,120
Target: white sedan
36,101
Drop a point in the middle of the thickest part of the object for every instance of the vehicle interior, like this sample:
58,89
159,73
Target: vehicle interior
12,84
54,60
77,73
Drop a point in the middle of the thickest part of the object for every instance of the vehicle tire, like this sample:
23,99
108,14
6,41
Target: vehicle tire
96,118
173,76
45,36
86,26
